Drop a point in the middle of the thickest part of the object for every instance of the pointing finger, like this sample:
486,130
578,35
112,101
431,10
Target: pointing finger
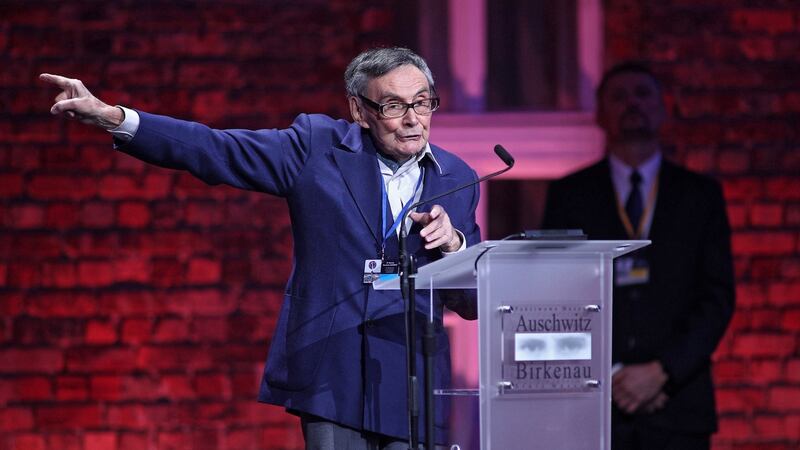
423,218
58,80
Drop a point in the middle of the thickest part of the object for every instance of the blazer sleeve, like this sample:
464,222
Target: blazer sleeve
691,349
259,160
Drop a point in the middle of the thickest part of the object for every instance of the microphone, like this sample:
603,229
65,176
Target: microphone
501,152
407,290
504,155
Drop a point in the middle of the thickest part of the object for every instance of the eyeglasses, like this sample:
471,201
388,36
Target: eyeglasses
395,109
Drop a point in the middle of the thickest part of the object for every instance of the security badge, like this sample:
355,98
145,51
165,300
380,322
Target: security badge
631,270
374,268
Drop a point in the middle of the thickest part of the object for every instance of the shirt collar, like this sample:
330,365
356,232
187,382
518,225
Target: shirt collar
415,160
648,169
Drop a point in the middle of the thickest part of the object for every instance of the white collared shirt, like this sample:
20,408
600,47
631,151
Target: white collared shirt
400,187
130,124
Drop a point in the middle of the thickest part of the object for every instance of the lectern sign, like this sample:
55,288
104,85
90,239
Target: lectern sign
548,348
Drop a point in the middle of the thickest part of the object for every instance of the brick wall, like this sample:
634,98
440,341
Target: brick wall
732,73
137,303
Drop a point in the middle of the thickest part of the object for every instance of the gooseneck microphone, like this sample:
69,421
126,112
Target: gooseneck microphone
407,291
501,152
504,155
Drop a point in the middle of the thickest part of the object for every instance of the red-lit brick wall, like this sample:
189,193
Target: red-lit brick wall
733,72
137,303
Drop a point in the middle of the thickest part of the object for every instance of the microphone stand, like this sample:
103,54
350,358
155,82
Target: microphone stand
407,290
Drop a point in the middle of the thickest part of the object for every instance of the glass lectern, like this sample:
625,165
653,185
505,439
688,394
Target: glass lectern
544,311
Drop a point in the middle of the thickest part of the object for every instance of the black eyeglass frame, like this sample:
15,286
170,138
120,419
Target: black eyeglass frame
435,101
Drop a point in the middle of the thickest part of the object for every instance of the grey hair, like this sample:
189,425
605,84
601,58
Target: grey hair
376,62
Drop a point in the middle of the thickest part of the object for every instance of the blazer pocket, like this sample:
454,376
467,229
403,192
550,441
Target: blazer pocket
301,340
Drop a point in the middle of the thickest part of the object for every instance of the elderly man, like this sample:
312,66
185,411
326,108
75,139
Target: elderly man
337,356
672,300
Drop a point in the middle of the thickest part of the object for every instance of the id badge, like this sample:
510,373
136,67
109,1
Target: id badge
630,271
372,270
390,267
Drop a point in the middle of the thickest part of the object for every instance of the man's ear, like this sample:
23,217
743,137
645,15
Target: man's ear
356,112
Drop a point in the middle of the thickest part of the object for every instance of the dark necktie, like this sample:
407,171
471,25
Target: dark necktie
634,205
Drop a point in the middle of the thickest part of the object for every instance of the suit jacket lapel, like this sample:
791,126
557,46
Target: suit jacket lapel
359,167
607,201
433,183
664,211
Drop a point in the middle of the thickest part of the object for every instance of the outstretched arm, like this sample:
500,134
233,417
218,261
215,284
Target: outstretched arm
76,102
261,160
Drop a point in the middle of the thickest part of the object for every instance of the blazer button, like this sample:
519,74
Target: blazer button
631,342
369,323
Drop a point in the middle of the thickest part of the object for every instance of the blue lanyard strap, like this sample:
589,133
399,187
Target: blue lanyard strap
403,212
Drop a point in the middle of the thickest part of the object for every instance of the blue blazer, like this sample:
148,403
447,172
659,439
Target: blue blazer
338,350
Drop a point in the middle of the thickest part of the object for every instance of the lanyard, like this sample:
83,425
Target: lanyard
385,201
626,222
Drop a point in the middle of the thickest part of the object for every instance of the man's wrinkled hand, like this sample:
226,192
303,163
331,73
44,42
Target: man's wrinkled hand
76,102
437,230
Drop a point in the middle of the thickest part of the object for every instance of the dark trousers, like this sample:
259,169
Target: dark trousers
633,435
321,434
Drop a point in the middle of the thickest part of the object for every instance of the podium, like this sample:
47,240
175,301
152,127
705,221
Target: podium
544,326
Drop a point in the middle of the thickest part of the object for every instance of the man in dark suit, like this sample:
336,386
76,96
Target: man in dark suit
337,358
672,300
